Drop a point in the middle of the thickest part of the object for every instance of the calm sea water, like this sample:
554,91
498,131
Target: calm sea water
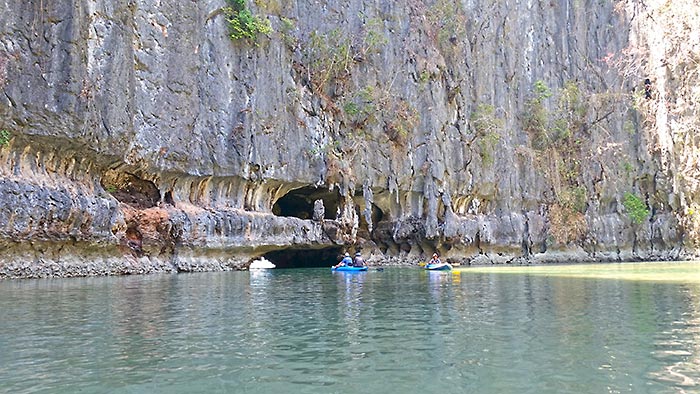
313,331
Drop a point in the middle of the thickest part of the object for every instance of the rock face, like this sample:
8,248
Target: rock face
139,137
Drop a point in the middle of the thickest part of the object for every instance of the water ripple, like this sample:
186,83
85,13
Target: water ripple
309,331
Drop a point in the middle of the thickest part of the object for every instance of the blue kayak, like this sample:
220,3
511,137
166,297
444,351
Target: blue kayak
349,269
439,267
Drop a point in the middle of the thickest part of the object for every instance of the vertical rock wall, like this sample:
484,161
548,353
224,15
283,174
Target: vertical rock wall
492,131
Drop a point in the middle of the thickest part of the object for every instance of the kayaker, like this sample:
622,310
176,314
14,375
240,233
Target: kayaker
359,261
345,262
435,259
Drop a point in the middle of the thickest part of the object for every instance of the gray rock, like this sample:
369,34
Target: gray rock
414,115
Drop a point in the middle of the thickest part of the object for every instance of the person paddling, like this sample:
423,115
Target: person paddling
359,261
435,259
345,262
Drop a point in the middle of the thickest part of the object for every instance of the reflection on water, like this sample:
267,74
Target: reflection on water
677,346
676,272
350,288
650,310
313,331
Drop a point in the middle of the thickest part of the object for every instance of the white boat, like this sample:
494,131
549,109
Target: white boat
261,264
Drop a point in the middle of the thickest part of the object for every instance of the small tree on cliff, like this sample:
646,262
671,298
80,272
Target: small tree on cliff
242,23
636,208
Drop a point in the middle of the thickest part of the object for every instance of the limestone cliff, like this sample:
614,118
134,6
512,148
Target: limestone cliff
138,136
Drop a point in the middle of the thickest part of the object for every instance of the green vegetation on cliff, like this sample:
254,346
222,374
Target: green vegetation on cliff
636,208
242,23
4,137
556,124
487,127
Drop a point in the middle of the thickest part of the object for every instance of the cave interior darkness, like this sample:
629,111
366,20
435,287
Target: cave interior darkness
304,258
300,202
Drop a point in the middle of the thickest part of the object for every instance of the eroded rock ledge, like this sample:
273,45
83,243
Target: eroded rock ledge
64,217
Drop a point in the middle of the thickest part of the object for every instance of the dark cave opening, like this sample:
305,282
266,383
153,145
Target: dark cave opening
304,258
130,189
376,215
168,198
299,203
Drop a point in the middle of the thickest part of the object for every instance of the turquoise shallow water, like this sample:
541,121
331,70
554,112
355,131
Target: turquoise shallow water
313,331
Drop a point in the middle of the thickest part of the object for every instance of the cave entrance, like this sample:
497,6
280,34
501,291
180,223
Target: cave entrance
299,203
130,189
304,258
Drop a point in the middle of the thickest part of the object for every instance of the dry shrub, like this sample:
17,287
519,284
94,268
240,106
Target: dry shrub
334,174
403,119
690,222
566,224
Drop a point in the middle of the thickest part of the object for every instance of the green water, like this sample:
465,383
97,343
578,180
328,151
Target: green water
313,331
